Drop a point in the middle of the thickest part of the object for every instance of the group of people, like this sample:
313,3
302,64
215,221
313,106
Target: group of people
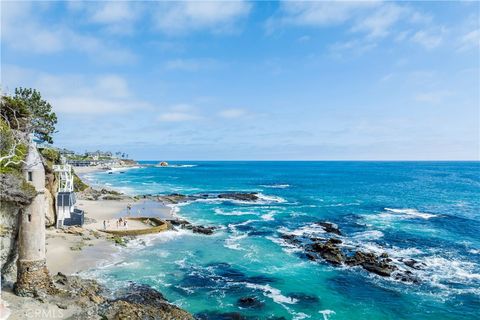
121,222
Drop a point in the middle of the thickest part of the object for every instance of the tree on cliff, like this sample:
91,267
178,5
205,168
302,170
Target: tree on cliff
20,115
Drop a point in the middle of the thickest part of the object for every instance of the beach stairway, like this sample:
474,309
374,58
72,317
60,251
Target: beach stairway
66,198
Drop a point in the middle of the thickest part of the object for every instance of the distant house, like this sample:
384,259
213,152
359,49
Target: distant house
66,153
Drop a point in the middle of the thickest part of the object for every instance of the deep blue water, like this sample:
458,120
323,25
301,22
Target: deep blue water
429,211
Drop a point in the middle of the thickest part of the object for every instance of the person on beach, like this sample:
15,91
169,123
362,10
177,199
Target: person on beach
125,223
129,208
104,225
117,223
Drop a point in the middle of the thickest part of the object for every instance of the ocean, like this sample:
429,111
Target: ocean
427,211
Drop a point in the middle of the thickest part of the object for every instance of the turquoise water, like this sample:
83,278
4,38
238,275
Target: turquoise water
429,211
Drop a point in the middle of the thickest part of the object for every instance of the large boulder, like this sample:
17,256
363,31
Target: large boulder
371,262
330,227
251,196
329,251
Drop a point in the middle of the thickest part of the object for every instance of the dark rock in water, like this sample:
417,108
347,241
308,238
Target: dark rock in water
329,251
330,227
201,229
373,263
213,315
184,224
179,222
250,302
290,238
310,256
304,299
239,196
414,264
406,276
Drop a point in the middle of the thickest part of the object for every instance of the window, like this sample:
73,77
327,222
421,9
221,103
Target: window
30,176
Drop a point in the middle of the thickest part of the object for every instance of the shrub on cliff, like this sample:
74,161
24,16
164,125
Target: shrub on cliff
78,184
12,152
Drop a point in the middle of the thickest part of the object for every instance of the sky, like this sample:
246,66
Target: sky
242,80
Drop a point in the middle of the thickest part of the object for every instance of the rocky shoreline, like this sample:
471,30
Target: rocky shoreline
177,198
94,301
331,250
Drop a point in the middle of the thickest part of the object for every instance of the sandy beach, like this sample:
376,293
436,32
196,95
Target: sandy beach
71,253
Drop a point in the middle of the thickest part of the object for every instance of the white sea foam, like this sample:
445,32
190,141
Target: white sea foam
117,169
474,251
233,213
181,166
300,316
272,293
286,247
411,212
270,199
275,186
368,235
310,229
326,314
232,242
268,216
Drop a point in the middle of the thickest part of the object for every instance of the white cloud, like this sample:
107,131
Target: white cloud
232,113
191,64
380,21
374,19
176,117
77,94
429,39
321,13
108,12
180,17
470,40
23,30
179,113
433,97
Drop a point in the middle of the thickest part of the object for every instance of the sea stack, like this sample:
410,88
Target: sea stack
32,272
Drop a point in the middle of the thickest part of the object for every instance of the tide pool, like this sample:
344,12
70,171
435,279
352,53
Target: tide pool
427,211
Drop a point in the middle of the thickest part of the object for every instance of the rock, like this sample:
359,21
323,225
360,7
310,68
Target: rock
163,164
184,224
414,264
50,209
329,251
79,231
13,189
373,263
304,299
201,229
329,227
179,222
141,302
239,196
250,302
